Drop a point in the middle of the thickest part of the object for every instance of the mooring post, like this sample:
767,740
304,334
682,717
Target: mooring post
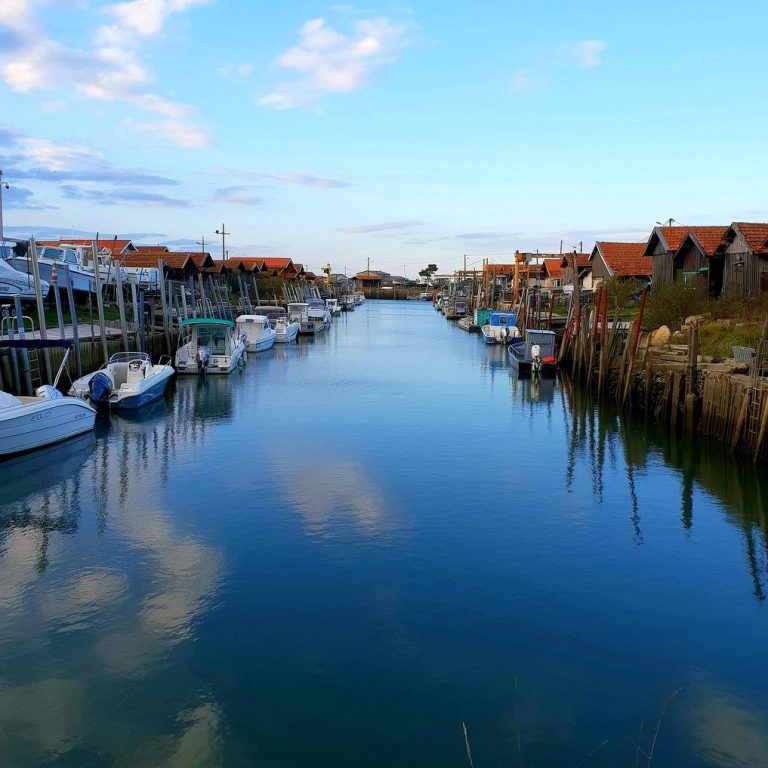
164,307
121,306
40,306
24,354
99,302
12,355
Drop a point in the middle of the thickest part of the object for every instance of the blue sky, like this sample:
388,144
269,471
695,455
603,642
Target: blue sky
406,133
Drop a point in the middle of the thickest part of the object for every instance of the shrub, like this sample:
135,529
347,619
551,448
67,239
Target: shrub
671,304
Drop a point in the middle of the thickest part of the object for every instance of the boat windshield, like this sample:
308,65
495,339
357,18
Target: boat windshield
212,337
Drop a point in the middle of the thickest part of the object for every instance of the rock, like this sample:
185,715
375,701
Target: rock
694,320
678,336
661,336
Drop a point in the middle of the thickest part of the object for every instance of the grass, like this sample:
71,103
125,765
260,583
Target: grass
111,312
717,340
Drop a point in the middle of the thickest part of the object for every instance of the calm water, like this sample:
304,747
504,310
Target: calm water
342,553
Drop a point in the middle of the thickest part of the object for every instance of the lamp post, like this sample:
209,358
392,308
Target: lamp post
223,232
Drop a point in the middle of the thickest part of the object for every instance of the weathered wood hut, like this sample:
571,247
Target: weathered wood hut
663,245
745,258
700,254
622,260
177,265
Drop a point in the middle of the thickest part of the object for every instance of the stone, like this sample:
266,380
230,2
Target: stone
661,336
678,336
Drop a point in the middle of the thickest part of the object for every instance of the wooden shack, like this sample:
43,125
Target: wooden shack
745,258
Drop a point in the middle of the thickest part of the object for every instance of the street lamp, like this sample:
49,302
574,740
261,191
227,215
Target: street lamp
223,232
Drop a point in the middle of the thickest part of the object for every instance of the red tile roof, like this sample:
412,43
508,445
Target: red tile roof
553,267
172,259
250,263
278,264
756,235
709,237
152,249
582,260
625,259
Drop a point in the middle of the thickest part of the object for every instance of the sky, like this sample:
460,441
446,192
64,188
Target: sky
395,134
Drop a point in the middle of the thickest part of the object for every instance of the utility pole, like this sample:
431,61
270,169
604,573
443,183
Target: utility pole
202,244
1,205
368,268
223,232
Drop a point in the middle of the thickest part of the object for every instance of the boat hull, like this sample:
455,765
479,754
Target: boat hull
31,426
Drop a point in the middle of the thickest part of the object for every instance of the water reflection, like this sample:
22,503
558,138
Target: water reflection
128,589
598,435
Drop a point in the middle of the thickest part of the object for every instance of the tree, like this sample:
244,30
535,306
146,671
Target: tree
428,271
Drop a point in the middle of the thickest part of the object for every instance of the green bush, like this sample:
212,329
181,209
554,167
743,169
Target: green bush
671,304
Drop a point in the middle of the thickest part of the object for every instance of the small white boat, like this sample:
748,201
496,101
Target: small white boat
333,306
500,328
258,332
209,345
14,283
311,320
128,380
27,423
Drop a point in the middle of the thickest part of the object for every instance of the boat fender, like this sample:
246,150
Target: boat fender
549,360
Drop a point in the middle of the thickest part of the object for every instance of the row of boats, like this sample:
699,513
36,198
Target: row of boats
130,380
532,352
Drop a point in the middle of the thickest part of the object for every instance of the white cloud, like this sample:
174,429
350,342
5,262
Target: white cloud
526,80
586,53
235,71
302,179
329,62
108,70
147,17
183,134
387,226
237,196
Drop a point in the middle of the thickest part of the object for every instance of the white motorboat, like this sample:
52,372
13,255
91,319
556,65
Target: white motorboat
209,345
128,380
27,423
258,332
15,283
286,330
333,306
311,320
48,258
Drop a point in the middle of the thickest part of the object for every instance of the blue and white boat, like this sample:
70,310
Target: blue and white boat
128,380
258,332
500,328
534,354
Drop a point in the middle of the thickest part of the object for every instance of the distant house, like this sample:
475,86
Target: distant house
151,249
372,279
745,258
622,260
664,244
553,273
583,268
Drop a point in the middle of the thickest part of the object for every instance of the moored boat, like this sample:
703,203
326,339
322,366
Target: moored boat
128,380
15,283
48,417
534,354
500,328
209,345
259,334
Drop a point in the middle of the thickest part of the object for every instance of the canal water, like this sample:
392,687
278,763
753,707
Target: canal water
357,547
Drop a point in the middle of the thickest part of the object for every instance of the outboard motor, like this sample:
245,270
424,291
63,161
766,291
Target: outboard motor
99,388
535,358
203,358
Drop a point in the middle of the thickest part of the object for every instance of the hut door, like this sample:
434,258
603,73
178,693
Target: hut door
716,277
